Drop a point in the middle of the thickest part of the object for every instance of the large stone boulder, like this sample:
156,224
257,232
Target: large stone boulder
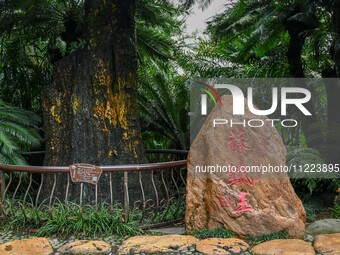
325,226
248,204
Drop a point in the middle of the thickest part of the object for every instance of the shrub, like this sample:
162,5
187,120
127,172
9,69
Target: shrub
336,211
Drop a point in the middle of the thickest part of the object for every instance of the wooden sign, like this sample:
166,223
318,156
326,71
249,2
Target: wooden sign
85,173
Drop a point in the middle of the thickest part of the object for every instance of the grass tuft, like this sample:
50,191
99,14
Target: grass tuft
218,232
254,240
66,220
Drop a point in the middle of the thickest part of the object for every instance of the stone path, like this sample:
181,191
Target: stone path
172,244
55,242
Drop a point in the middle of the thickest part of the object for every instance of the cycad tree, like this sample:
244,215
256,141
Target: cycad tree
90,107
163,98
164,105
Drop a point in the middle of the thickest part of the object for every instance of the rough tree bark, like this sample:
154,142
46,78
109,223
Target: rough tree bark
90,109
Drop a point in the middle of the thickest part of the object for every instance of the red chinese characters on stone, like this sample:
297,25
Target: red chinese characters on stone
242,204
239,176
236,142
227,201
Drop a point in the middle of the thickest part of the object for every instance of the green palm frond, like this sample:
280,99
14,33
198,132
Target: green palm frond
163,104
299,156
187,4
309,159
18,132
154,43
162,14
249,32
162,96
158,24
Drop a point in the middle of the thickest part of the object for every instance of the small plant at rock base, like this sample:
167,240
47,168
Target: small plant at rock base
218,232
336,211
311,209
254,240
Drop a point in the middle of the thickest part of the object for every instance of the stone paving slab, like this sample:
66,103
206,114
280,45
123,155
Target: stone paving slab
222,246
284,247
32,246
328,244
84,247
157,244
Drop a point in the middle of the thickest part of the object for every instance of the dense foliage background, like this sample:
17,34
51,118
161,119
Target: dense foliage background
251,38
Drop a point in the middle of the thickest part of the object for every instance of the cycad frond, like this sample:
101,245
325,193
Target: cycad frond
153,43
18,132
163,104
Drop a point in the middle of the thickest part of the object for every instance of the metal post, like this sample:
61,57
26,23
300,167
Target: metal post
126,196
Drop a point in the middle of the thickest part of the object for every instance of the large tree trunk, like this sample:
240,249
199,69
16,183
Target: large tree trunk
294,54
89,111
